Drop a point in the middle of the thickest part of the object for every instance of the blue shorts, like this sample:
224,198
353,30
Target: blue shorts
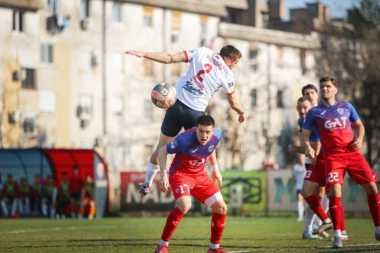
178,116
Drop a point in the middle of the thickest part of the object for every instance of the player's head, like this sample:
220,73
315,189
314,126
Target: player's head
328,88
205,129
231,55
303,106
310,92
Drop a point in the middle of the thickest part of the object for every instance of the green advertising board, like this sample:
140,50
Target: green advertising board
245,191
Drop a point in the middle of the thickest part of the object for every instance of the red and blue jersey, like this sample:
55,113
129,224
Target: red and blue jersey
314,136
191,156
333,124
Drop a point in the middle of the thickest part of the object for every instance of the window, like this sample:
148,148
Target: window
148,16
85,9
46,53
204,20
148,67
30,80
117,11
52,6
118,106
303,61
47,102
29,125
18,21
253,98
176,26
118,62
280,99
84,110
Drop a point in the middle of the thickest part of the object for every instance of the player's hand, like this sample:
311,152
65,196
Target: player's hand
164,184
135,53
241,118
309,152
217,176
355,144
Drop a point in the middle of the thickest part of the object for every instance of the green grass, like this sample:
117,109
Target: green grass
140,235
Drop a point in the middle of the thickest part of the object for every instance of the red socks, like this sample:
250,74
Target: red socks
374,208
218,222
172,222
336,212
315,205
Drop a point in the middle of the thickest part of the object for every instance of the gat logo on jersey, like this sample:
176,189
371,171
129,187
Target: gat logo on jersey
336,122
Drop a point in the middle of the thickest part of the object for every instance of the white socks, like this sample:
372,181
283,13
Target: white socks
309,220
300,209
151,171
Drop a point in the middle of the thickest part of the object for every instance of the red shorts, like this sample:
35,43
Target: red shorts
317,173
199,185
354,163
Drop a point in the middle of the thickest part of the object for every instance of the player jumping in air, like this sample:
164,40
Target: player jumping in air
207,73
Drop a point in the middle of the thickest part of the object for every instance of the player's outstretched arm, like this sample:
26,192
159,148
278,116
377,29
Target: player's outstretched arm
161,57
162,157
236,106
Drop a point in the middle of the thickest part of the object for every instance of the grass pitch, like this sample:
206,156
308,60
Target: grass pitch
140,235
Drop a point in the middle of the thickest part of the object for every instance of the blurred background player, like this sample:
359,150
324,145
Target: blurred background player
298,174
26,194
75,189
88,198
310,92
207,73
48,197
187,177
9,197
314,178
63,198
333,119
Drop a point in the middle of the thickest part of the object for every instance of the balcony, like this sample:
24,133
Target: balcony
27,5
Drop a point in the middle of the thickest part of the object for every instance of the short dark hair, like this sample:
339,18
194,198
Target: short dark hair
309,86
230,52
205,120
329,79
301,99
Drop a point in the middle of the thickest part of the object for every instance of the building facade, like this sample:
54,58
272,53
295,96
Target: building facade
66,82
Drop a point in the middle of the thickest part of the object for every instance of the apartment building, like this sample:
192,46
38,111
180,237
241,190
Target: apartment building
66,82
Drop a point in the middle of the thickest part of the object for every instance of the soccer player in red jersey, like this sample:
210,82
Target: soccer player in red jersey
26,194
9,195
75,189
333,120
187,177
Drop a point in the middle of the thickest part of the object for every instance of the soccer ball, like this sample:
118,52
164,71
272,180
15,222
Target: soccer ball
164,95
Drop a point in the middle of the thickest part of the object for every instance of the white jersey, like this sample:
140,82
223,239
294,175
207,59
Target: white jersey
206,75
299,173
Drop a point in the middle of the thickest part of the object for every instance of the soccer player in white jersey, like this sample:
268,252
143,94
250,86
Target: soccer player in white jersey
207,73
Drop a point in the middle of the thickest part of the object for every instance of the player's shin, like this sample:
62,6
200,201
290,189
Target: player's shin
173,220
218,222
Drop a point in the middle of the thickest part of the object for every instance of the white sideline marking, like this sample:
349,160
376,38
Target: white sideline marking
303,249
20,231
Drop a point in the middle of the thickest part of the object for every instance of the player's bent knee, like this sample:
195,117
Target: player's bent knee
184,203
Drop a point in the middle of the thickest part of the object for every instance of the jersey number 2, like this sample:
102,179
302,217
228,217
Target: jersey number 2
207,69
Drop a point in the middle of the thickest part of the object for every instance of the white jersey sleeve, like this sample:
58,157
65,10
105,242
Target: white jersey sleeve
206,75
